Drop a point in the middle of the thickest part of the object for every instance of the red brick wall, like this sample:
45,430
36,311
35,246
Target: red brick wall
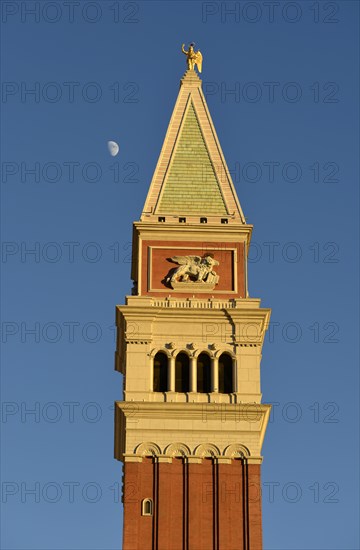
171,505
201,506
197,506
138,484
255,506
231,505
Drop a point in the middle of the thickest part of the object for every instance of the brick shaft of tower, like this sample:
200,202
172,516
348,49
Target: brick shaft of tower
190,428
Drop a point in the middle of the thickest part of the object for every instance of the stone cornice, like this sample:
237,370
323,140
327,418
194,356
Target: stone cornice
219,233
250,322
249,412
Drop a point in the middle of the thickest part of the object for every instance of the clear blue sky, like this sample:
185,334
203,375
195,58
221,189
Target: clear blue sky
110,70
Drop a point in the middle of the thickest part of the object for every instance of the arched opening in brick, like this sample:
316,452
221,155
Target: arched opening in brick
147,507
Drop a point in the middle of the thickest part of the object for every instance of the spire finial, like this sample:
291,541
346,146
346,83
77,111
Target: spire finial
193,58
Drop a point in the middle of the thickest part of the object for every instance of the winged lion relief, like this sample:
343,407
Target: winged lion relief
193,270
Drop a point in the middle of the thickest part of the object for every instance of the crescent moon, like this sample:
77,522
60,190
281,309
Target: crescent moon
113,148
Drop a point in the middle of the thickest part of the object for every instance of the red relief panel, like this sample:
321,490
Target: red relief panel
157,268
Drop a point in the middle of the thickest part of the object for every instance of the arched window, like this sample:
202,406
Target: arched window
147,507
204,373
160,372
182,371
225,373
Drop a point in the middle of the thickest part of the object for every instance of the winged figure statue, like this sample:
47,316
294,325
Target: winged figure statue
193,58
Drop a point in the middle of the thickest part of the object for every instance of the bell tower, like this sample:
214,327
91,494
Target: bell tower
190,428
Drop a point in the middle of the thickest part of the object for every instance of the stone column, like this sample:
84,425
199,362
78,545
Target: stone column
171,374
214,374
193,374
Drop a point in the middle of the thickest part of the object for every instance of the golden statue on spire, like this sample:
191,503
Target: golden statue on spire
193,58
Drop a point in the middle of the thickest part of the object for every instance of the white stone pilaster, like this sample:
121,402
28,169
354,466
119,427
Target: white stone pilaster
171,374
193,374
214,374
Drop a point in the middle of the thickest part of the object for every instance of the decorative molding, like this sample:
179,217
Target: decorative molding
238,412
148,449
176,351
236,451
198,351
207,450
223,460
194,460
164,350
137,341
164,459
191,350
247,345
222,349
177,449
251,305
